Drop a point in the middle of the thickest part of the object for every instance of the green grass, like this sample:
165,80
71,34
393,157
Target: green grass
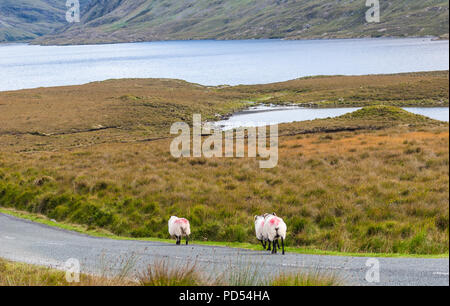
387,114
249,246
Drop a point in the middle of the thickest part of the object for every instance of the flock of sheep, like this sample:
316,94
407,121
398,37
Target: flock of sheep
269,230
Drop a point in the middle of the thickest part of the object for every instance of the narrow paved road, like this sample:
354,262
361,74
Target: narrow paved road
29,242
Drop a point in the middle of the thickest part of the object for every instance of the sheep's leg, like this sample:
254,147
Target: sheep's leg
187,240
274,247
263,244
282,244
178,240
269,248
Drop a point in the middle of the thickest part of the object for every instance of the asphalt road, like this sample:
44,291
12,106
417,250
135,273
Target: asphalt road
33,243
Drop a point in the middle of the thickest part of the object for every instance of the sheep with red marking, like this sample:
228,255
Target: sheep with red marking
274,229
179,228
259,229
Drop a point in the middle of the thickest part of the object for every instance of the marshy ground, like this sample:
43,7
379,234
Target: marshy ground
99,155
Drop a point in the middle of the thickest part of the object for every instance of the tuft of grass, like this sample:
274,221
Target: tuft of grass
387,114
20,274
161,273
308,279
244,274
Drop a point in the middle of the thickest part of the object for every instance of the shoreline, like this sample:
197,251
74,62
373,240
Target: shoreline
30,42
254,103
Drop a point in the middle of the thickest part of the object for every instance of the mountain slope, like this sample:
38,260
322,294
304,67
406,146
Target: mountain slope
104,21
145,20
27,19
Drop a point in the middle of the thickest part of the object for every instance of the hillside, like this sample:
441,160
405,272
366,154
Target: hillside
98,155
23,20
146,20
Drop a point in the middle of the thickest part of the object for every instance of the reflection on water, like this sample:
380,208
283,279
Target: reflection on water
266,115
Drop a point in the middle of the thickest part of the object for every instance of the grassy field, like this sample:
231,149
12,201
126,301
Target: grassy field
142,109
375,181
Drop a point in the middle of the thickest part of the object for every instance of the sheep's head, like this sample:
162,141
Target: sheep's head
257,218
268,215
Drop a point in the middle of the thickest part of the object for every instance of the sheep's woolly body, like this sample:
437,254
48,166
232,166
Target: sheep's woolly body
259,228
179,227
274,228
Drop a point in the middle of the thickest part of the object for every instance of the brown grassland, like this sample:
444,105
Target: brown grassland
160,273
376,180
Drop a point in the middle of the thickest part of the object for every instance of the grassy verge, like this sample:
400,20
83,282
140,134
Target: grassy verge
249,246
21,274
160,273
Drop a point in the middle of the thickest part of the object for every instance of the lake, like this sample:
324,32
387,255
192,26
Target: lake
216,62
267,115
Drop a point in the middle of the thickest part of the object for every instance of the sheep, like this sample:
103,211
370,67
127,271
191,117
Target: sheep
259,229
274,229
178,228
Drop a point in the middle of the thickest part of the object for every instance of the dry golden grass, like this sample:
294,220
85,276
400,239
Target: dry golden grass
19,274
372,191
315,279
360,183
160,273
428,88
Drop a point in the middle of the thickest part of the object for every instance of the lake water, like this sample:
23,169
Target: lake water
216,62
267,115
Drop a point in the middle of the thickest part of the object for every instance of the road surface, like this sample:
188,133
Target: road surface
25,241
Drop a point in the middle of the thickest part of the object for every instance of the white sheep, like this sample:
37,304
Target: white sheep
274,229
178,228
259,229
